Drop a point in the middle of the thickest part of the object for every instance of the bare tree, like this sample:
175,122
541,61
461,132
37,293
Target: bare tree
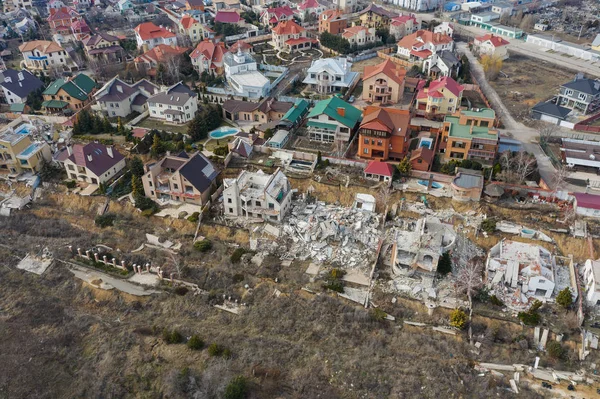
468,280
525,165
547,131
173,68
559,178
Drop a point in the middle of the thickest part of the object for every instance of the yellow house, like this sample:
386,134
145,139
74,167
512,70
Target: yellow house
443,96
374,16
470,135
18,153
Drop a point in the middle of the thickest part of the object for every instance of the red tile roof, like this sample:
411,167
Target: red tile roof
496,41
292,42
395,120
209,50
448,83
424,36
402,19
240,44
424,54
332,14
278,12
380,168
388,68
148,31
160,53
288,28
187,22
62,13
139,132
309,4
424,153
228,17
354,30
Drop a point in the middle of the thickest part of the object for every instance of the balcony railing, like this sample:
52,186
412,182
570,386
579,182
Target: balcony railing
481,154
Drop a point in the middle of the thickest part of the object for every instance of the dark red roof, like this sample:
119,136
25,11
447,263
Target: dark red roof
380,168
590,201
100,160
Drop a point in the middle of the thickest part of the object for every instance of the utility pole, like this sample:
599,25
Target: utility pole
580,31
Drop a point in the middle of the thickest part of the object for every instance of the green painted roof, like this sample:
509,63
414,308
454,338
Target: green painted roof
79,87
54,87
482,113
329,107
296,111
322,125
17,107
55,104
464,131
85,82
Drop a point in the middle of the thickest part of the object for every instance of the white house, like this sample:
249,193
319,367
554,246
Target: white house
93,163
257,195
178,104
44,55
17,85
560,46
502,8
243,76
417,5
445,28
492,45
421,44
359,35
591,278
330,75
117,98
149,35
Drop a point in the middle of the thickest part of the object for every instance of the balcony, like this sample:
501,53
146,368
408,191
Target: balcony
481,154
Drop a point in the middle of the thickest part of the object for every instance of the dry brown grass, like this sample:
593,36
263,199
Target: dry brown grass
225,234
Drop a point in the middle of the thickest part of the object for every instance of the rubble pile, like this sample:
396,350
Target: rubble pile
330,233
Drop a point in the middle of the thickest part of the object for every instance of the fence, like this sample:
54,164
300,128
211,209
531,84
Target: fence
267,67
584,125
138,118
218,90
385,54
439,177
279,79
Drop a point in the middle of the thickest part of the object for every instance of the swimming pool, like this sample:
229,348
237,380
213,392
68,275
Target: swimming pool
433,185
223,132
29,150
23,129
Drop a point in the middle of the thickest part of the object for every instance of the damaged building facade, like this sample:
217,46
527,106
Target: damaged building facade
257,195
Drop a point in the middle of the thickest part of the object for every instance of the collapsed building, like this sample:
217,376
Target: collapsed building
418,245
517,272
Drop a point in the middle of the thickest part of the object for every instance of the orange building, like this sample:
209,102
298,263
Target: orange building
384,133
332,21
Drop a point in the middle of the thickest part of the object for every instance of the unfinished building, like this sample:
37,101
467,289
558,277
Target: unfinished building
257,195
517,272
419,245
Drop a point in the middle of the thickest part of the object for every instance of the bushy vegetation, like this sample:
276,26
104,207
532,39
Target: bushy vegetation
207,119
458,319
555,350
89,123
203,245
489,225
449,167
171,337
236,256
531,317
70,183
565,298
221,151
105,220
216,350
195,343
334,281
237,388
444,264
194,217
343,46
494,300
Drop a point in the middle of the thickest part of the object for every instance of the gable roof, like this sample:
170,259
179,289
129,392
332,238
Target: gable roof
402,19
199,171
354,30
424,36
266,105
495,40
43,46
210,50
445,82
309,4
596,41
115,90
336,66
21,87
78,87
178,94
98,37
389,69
101,161
289,27
587,200
240,45
228,17
161,52
375,9
332,14
380,168
393,120
279,11
584,85
148,30
61,13
551,109
187,21
424,153
330,108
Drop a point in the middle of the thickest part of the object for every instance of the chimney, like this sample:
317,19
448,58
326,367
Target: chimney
89,157
69,150
20,76
109,151
341,111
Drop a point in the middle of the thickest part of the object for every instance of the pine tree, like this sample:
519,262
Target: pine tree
136,166
137,189
157,146
404,167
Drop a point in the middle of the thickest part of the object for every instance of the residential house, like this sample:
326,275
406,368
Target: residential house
420,45
550,112
272,16
444,63
384,133
257,195
93,163
208,57
581,95
241,72
194,5
418,5
445,28
513,266
467,185
148,35
383,83
72,93
403,25
330,75
189,178
332,21
229,17
591,279
160,54
80,29
348,6
119,99
104,47
332,120
502,8
264,111
177,104
125,5
484,17
587,204
422,159
379,171
443,96
470,135
192,28
220,5
43,55
60,19
541,27
576,152
375,16
19,153
359,35
242,46
295,115
17,85
289,36
309,9
491,45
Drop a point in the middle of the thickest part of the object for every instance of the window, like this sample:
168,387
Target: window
258,203
366,141
450,109
229,200
366,151
569,92
450,100
582,96
150,183
230,210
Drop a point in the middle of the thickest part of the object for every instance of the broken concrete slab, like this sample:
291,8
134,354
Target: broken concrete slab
34,264
356,277
148,279
272,230
312,269
355,294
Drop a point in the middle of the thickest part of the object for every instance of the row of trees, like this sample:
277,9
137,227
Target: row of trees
343,46
207,119
89,123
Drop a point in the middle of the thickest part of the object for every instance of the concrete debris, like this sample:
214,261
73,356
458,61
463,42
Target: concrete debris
272,230
525,232
513,385
357,295
154,241
444,330
35,264
231,308
312,269
364,202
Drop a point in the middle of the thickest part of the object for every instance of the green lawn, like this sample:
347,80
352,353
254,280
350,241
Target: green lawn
156,124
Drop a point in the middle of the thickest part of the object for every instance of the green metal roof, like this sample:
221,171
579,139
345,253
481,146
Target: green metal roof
79,87
55,104
17,107
464,131
330,106
482,113
84,82
54,87
322,125
296,111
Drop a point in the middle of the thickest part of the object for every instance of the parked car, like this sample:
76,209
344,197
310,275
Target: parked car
351,99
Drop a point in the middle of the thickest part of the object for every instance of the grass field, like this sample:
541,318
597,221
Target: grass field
156,124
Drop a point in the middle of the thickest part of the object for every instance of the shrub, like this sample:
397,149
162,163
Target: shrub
458,319
496,301
335,285
105,220
203,246
444,264
147,212
195,343
221,151
555,350
337,273
237,388
236,256
70,183
171,337
565,298
181,290
488,225
529,318
535,305
378,314
194,217
215,350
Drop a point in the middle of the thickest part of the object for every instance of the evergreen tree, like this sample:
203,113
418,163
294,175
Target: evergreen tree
404,167
157,146
137,189
136,166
